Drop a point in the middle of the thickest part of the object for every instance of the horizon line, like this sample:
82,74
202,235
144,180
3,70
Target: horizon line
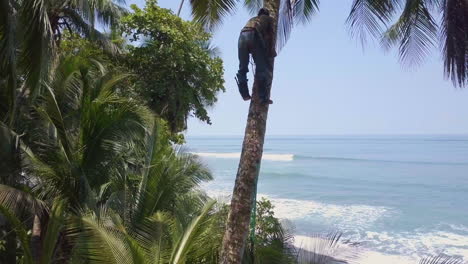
332,134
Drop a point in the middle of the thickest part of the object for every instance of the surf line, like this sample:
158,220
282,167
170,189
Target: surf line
236,155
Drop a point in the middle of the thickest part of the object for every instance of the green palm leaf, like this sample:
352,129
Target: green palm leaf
56,223
94,132
415,31
53,114
99,240
305,9
8,57
10,159
370,17
21,202
21,233
325,249
78,24
253,6
211,13
186,243
455,40
169,181
156,234
38,43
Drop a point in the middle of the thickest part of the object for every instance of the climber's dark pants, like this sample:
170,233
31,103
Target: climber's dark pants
251,43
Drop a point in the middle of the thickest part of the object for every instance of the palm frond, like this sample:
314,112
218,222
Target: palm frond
117,133
210,13
157,234
10,158
370,17
253,6
189,203
211,49
53,114
305,9
88,30
97,132
98,239
170,180
38,45
53,175
441,259
415,32
7,32
66,85
55,224
152,148
180,252
291,13
8,57
111,127
455,40
21,233
20,202
285,23
108,12
325,249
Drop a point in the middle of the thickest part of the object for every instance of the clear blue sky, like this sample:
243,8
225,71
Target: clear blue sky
326,83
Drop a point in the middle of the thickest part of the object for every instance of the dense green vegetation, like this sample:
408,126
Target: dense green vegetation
90,172
175,67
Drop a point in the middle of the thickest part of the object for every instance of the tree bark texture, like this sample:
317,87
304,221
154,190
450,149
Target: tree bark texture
237,227
36,239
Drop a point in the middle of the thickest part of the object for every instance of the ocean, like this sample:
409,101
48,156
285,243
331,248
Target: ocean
399,197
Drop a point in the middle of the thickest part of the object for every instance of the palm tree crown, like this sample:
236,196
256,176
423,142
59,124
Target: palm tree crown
414,26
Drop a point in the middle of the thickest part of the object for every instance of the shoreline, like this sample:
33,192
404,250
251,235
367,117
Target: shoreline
351,254
284,208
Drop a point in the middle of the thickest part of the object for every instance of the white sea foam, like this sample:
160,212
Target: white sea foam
341,216
459,228
399,248
236,155
417,243
362,255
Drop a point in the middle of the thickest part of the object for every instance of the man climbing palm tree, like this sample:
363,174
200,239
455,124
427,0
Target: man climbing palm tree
256,38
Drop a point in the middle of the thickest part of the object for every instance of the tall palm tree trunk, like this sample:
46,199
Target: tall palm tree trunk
36,239
237,228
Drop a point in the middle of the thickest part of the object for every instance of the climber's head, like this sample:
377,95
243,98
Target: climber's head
263,11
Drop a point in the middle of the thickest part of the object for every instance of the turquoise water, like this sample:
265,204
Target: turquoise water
399,195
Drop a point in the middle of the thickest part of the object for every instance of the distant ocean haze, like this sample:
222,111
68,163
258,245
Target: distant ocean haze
398,196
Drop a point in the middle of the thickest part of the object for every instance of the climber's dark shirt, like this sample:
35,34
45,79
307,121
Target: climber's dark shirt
264,25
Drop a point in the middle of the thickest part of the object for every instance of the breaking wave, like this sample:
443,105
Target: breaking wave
325,158
357,222
416,243
340,216
236,155
291,157
343,217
